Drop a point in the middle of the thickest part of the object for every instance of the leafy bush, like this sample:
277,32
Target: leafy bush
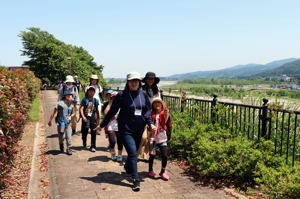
17,90
215,152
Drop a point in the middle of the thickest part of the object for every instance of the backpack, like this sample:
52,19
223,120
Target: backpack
74,88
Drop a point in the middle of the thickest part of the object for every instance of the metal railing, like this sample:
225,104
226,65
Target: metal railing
255,122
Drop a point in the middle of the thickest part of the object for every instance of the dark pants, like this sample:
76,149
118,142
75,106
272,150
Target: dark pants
85,131
112,135
131,144
164,158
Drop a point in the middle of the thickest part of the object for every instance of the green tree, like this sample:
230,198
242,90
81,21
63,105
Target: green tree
52,59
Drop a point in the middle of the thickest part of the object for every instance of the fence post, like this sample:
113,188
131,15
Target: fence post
161,94
264,118
183,101
117,88
169,90
214,109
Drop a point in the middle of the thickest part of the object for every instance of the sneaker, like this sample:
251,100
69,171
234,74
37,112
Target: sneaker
61,146
93,150
151,174
69,152
119,158
164,176
136,185
84,145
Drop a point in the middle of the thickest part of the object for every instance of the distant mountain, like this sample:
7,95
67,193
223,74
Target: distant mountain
235,71
290,69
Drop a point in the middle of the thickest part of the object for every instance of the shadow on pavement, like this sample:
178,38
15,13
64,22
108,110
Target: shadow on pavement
54,152
113,178
52,136
99,158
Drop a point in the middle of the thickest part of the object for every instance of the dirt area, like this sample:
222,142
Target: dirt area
20,173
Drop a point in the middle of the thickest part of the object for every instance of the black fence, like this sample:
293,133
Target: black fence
255,122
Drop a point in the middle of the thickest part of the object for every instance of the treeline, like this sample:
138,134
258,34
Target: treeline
52,60
237,82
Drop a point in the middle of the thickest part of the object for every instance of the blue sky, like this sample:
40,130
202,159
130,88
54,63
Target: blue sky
167,37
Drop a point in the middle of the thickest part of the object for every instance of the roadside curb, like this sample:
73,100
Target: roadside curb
31,187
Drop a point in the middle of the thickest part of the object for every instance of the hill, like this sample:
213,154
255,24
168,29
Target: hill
235,71
290,69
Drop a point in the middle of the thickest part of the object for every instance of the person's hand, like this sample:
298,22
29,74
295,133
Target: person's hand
62,130
153,128
84,119
49,123
69,118
97,128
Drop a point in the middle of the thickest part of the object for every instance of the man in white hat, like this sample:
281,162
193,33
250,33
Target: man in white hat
68,86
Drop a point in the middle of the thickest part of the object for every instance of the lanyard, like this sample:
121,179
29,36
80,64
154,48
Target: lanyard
133,101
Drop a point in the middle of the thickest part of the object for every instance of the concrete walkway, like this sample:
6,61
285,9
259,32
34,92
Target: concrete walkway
94,175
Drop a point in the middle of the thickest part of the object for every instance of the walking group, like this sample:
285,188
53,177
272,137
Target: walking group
136,118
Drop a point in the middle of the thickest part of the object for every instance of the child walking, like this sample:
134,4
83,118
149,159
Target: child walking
111,130
89,112
65,111
159,138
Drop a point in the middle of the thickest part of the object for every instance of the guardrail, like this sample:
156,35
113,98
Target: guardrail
255,122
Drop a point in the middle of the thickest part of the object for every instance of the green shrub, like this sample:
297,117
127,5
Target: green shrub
216,152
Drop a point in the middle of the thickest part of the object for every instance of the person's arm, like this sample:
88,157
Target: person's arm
97,113
72,114
112,111
60,94
52,116
107,108
77,100
147,114
82,113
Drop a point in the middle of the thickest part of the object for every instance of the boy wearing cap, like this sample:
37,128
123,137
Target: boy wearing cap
89,112
70,87
64,110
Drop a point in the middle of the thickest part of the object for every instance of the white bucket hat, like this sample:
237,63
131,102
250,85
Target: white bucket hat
94,77
69,78
133,75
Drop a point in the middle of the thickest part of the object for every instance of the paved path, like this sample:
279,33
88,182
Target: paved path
93,175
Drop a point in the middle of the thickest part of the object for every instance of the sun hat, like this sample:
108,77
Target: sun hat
94,77
158,99
69,78
90,88
151,75
133,75
113,94
109,91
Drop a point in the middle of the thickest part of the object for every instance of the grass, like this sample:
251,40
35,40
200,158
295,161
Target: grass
34,114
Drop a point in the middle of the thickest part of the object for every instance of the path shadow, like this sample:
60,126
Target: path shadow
99,158
78,148
113,178
54,152
101,148
53,136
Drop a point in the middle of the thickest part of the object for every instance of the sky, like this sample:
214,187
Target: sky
164,36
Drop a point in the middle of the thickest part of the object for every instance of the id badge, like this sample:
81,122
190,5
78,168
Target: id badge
138,112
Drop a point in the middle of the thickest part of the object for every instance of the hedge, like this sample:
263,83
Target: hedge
17,91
